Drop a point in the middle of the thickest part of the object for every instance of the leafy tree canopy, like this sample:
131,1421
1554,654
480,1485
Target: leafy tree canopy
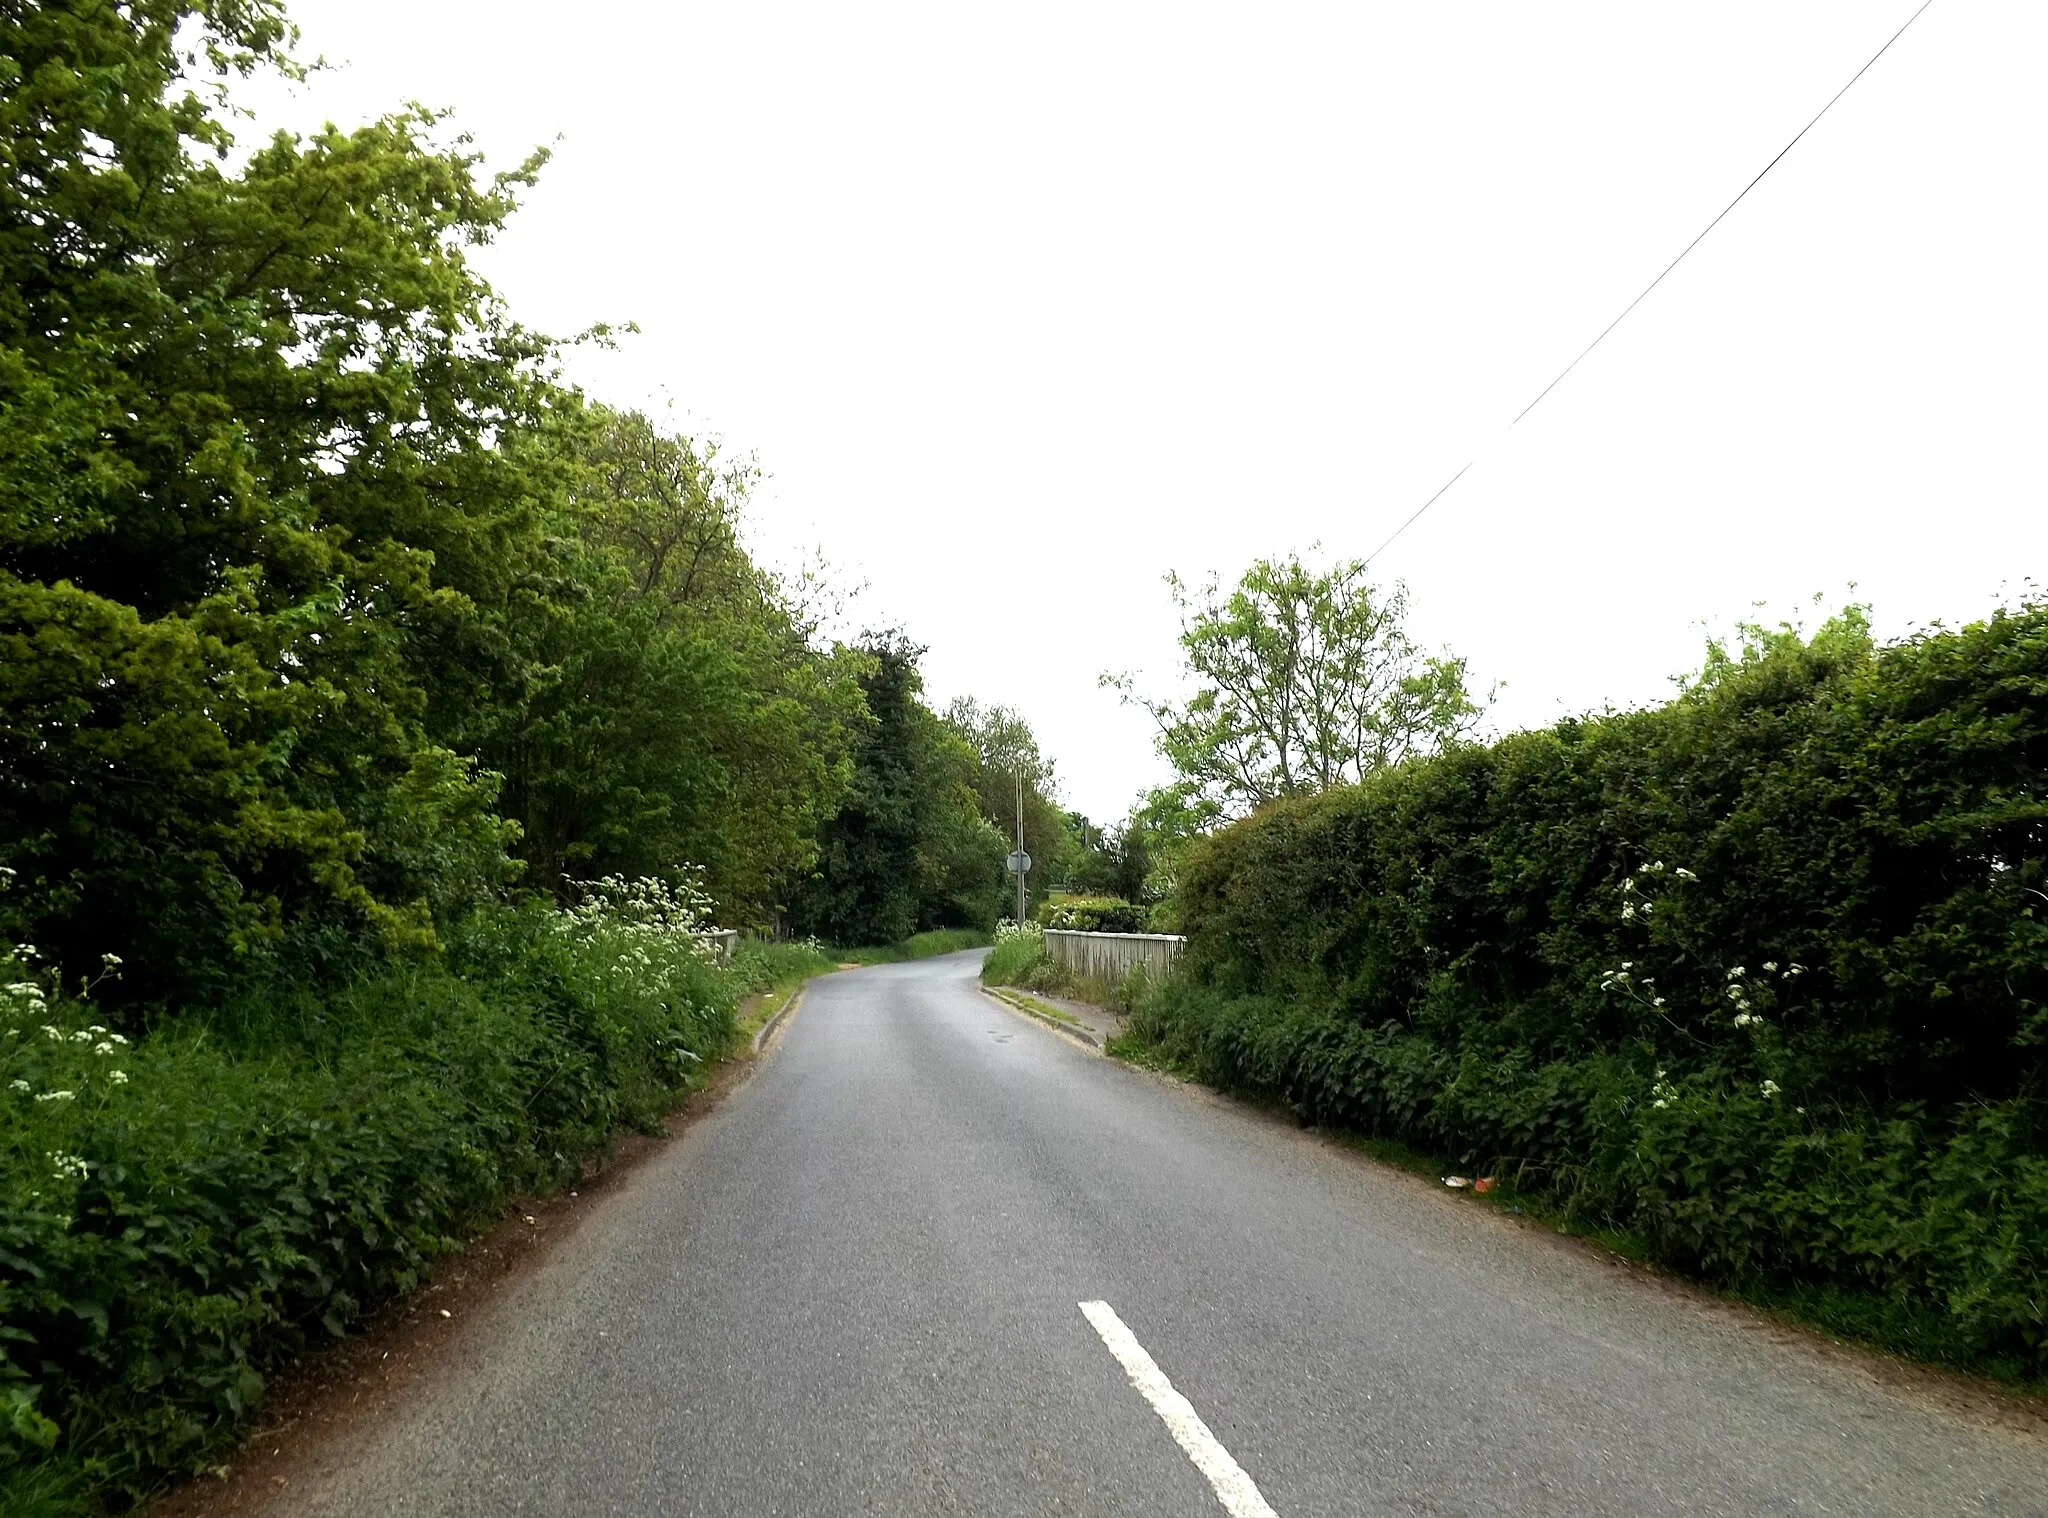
1302,681
909,848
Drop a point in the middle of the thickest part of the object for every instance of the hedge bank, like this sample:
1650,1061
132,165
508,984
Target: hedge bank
183,1210
1756,979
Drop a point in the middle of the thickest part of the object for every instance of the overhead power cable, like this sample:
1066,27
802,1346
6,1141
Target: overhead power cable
1441,490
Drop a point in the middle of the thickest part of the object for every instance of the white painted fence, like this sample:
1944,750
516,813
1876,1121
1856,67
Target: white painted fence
1110,956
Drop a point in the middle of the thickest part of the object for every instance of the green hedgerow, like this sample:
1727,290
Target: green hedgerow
1758,978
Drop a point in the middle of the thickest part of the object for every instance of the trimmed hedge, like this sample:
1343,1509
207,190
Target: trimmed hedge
1095,914
1758,978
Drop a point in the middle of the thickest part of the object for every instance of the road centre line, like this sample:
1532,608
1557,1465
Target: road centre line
1234,1489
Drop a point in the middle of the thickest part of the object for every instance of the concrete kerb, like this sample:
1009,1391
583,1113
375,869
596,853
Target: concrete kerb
1083,1036
761,1035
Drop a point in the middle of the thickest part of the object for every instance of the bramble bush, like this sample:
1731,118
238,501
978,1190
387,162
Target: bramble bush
181,1214
1758,979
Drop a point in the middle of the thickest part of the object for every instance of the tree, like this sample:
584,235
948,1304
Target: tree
250,489
908,849
1005,748
1304,681
659,702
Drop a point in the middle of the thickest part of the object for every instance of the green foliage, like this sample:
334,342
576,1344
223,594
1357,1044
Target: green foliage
758,965
1759,978
1006,749
917,946
1304,681
318,594
908,851
180,1213
1093,914
247,471
1019,959
660,697
1019,950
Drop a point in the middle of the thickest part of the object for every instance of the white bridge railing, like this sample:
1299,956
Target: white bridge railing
1111,956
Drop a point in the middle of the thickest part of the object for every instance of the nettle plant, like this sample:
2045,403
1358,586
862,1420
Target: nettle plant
1749,1002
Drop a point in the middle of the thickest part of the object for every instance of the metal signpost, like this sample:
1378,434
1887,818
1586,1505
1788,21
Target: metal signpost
1020,862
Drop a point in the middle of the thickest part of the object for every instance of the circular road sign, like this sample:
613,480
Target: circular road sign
1020,862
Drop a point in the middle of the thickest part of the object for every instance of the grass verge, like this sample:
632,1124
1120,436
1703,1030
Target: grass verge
1031,1006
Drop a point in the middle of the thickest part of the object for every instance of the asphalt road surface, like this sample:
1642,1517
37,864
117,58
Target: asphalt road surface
858,1287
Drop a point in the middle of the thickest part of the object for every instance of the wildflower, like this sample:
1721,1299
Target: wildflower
115,1038
1657,868
118,1077
1628,910
1796,970
69,1166
57,1096
17,1085
1660,1102
1771,965
1769,1088
1737,973
1683,873
111,961
1656,1001
95,1028
1628,964
56,1035
81,1037
1744,1019
103,1047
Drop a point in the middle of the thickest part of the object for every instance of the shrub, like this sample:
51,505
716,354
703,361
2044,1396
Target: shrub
1094,914
917,946
1759,977
758,965
181,1213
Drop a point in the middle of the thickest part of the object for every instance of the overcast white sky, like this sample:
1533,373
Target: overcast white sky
1020,307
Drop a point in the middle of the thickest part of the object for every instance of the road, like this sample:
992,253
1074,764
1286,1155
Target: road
856,1288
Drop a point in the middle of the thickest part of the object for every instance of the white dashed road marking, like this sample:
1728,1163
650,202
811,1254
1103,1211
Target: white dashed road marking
1234,1489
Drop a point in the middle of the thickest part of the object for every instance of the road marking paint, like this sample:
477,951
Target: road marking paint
1234,1489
